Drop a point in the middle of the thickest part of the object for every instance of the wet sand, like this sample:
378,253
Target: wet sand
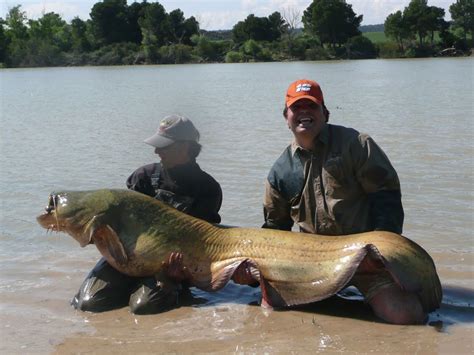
229,321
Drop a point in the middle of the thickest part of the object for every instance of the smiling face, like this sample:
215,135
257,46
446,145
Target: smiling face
305,119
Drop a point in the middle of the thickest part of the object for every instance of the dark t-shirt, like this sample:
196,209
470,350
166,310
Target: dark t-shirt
185,187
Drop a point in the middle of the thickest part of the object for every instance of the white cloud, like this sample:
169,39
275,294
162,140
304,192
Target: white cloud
222,20
67,10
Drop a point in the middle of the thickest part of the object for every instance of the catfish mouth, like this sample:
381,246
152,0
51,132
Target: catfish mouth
59,216
49,219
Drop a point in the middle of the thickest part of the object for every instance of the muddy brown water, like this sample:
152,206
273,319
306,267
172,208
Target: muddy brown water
82,128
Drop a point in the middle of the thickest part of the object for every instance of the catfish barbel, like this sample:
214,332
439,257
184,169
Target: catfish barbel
136,234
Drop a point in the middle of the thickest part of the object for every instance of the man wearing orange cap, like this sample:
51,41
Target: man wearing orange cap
333,180
178,181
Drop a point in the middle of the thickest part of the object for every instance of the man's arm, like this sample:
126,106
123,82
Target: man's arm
208,202
139,181
386,211
380,181
276,210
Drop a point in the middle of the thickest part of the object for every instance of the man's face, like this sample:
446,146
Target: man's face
306,120
174,154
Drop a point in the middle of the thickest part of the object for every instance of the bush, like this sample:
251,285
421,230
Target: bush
419,52
151,54
317,53
389,50
211,51
298,48
115,54
265,55
234,57
175,54
77,59
251,48
360,47
34,53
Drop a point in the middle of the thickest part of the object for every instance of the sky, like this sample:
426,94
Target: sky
219,14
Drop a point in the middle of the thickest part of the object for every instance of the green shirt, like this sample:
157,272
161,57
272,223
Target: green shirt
344,185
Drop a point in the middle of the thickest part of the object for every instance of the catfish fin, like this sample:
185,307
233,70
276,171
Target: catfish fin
324,284
402,277
91,226
415,273
221,273
221,276
109,244
270,296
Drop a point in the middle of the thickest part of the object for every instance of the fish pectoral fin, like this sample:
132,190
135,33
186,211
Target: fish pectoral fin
270,295
318,285
91,227
109,244
374,259
221,277
222,271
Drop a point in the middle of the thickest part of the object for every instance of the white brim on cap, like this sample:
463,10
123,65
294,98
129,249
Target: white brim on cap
159,141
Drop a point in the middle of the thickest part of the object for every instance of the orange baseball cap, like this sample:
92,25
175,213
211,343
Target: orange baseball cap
304,89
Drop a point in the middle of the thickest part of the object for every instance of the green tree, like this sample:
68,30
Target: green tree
240,33
182,29
332,21
16,24
422,19
416,15
80,42
360,47
3,42
16,33
155,28
259,28
395,27
278,26
435,21
134,12
51,29
211,51
109,20
462,13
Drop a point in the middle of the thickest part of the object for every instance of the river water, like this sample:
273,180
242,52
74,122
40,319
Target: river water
82,128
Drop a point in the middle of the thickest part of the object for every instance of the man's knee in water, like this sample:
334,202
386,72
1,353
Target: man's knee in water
97,303
396,306
104,289
151,298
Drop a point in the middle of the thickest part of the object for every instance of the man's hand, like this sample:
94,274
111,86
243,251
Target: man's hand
243,276
175,268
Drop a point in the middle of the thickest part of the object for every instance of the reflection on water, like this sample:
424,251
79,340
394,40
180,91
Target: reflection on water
82,128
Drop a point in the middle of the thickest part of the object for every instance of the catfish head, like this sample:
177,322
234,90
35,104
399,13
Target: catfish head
77,213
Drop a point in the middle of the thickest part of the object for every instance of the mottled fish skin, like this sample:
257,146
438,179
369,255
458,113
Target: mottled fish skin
136,234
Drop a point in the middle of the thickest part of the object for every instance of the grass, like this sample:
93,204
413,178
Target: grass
375,37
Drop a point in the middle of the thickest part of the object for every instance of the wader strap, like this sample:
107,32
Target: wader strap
155,178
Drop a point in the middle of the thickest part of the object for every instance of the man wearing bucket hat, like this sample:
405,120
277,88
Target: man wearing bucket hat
333,180
178,181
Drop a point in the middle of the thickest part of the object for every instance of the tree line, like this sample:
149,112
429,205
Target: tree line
144,33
